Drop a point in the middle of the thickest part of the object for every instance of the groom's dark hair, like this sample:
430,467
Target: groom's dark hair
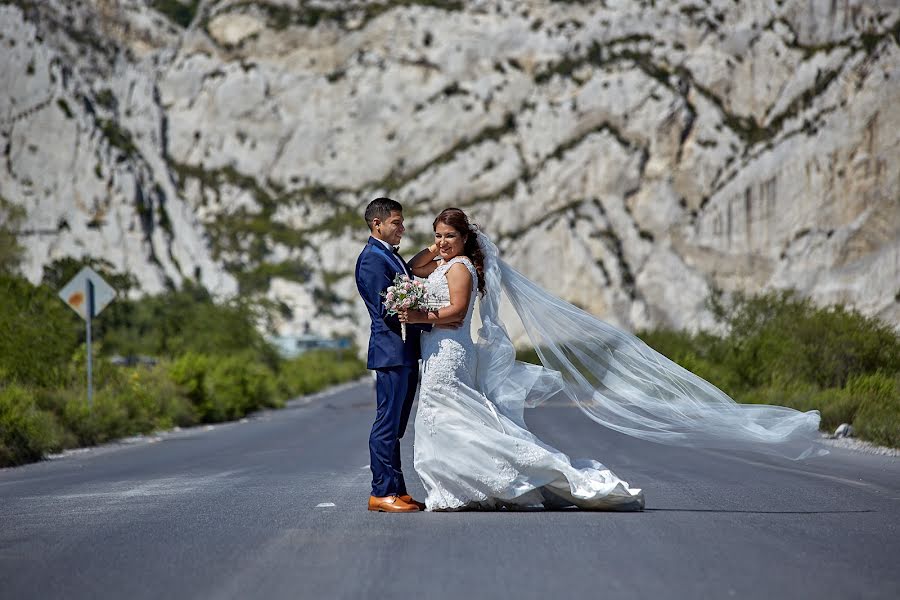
381,208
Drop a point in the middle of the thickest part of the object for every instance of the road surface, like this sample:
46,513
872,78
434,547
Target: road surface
275,508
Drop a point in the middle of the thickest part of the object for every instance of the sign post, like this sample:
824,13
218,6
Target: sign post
87,294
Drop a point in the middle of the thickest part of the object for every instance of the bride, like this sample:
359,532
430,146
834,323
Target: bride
473,449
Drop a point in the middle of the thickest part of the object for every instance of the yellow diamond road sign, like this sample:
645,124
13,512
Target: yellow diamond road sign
75,293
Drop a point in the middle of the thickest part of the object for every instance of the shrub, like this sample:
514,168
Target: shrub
837,406
38,333
317,369
11,218
215,365
26,432
127,401
714,372
236,386
878,418
779,335
155,389
223,388
105,420
189,372
186,321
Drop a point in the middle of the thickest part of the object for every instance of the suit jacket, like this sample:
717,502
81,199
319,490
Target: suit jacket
376,268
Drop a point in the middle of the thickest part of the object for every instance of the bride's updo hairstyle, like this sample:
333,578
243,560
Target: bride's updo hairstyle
458,220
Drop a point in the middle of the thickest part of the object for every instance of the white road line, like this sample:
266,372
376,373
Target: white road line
325,505
856,483
364,467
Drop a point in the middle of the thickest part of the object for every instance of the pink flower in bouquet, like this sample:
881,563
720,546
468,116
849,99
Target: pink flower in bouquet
405,294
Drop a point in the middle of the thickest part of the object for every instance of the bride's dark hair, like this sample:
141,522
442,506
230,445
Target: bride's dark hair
458,220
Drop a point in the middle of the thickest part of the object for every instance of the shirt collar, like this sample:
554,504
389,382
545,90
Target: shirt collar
385,244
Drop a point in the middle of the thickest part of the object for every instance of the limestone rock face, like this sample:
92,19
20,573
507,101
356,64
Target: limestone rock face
631,156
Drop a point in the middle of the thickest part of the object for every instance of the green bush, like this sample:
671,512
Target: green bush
835,405
878,418
236,386
315,370
38,333
11,218
182,322
155,389
214,363
128,401
105,420
26,432
716,373
189,372
223,388
781,336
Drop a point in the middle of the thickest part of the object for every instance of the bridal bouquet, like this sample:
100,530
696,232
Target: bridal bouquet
405,294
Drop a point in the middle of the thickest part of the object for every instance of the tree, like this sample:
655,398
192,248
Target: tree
11,217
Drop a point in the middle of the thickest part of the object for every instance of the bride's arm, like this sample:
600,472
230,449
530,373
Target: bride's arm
459,280
423,263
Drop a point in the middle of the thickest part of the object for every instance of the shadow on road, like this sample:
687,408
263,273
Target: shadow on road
758,512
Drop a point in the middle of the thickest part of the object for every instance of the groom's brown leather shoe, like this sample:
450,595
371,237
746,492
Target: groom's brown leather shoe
390,504
409,500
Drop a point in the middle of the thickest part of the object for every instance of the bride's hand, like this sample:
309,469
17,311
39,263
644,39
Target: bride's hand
411,316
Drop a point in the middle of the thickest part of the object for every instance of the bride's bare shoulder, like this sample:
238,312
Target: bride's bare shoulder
460,260
461,270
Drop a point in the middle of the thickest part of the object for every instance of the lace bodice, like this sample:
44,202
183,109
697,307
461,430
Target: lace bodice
448,354
439,289
437,281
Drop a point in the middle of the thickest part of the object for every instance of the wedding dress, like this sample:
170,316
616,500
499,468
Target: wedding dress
473,448
474,454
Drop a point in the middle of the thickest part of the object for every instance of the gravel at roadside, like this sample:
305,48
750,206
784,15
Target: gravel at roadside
851,443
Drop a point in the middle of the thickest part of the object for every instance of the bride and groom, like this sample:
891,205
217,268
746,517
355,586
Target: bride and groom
472,448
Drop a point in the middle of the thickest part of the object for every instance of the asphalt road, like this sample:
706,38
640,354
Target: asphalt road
235,512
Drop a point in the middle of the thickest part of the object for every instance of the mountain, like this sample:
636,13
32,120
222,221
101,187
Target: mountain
631,156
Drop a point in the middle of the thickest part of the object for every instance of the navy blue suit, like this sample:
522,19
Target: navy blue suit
396,365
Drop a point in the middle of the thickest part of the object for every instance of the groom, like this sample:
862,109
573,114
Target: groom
395,362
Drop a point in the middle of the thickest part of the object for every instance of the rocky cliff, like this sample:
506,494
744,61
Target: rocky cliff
631,155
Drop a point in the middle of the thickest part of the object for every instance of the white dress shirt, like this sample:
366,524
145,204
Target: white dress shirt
396,257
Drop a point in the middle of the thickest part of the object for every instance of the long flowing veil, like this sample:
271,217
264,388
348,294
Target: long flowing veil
615,378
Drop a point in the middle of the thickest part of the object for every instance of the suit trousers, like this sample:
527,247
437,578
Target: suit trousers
395,391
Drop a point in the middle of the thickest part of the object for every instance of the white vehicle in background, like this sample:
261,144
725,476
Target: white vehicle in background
291,346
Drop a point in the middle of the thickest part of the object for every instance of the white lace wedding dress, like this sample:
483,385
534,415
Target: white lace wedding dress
470,455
